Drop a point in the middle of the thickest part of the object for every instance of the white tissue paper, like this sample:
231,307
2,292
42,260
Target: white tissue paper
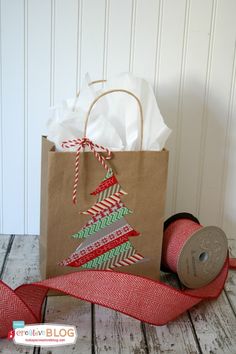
115,121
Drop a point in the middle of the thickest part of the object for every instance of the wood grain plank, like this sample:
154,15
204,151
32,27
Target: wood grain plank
229,191
217,114
206,98
7,347
230,286
21,266
119,37
117,333
167,85
215,326
180,100
12,37
4,243
65,309
65,47
92,38
37,81
145,39
176,337
196,65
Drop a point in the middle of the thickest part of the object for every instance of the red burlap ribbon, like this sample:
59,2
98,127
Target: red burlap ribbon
146,300
81,144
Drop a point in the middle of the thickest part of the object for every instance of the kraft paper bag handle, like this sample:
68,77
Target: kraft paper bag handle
108,93
93,83
89,84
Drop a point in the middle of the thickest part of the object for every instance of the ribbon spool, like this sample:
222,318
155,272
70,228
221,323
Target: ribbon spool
196,253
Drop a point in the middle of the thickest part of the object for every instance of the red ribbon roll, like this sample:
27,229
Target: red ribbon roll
196,253
177,233
144,299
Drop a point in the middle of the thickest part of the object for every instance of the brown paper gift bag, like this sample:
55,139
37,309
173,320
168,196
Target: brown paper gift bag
142,174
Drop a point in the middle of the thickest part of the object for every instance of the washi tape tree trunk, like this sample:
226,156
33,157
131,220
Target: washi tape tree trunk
106,236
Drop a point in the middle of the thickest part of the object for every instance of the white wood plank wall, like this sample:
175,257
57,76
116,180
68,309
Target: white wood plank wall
185,48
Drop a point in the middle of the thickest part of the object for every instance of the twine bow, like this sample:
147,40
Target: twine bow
82,143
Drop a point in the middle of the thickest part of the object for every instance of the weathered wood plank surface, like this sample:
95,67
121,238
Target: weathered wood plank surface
176,337
22,264
117,333
215,326
230,286
4,243
65,309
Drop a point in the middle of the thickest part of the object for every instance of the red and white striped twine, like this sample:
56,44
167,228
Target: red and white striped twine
82,143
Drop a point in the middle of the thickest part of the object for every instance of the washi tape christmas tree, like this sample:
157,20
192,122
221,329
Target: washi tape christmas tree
106,235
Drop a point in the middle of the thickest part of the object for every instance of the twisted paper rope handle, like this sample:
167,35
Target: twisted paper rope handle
144,299
82,143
